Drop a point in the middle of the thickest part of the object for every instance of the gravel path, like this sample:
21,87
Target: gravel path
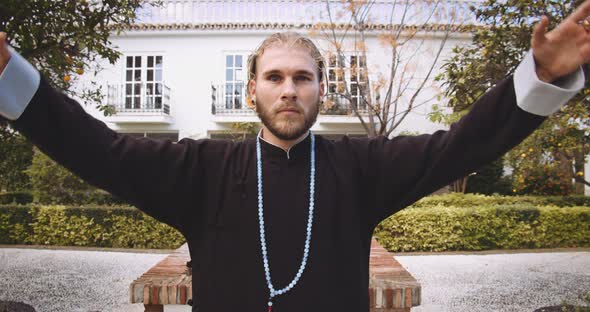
500,282
72,281
50,280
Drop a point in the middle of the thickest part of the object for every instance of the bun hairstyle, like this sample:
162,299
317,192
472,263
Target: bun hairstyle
289,39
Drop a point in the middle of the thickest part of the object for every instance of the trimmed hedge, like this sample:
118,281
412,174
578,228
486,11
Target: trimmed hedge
437,223
120,227
472,200
79,198
96,197
21,198
442,228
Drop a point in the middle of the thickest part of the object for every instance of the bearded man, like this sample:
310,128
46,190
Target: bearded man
283,222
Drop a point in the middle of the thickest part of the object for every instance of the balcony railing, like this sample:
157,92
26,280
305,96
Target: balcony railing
227,100
446,12
336,104
139,97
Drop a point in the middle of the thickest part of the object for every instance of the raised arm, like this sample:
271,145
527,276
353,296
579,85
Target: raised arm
408,168
159,177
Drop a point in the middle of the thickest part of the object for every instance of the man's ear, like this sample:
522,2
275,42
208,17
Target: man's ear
251,98
252,89
322,89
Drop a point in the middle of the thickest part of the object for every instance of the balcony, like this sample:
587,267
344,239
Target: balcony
338,109
296,12
336,104
228,103
139,102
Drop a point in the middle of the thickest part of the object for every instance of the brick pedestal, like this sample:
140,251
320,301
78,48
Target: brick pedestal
391,287
154,308
168,282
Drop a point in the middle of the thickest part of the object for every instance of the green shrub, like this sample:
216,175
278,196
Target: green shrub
543,181
15,224
442,228
95,197
437,223
146,233
53,184
16,154
21,198
472,200
84,226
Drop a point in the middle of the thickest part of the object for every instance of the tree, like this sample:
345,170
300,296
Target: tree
63,39
15,156
383,95
242,130
52,183
489,180
558,148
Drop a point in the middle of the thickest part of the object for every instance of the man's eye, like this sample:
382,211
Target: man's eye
274,77
302,78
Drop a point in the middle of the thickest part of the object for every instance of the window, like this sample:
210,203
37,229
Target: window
234,81
350,70
143,82
358,80
335,74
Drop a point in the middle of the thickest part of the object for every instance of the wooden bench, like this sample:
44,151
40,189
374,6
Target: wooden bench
391,287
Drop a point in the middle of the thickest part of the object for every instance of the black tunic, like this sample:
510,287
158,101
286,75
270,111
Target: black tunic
208,190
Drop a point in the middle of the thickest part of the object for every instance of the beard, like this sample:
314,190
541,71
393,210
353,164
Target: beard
287,126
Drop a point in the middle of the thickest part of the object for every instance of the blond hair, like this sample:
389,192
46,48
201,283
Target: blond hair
289,39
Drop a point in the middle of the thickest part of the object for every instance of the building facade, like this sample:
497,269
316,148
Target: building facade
183,67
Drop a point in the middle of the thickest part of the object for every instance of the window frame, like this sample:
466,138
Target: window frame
235,99
148,97
349,78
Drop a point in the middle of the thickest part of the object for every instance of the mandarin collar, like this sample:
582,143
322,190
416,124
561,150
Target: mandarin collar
296,151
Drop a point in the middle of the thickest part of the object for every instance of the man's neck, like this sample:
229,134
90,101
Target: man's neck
284,144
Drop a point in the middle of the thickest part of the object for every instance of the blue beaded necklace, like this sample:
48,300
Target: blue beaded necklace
273,292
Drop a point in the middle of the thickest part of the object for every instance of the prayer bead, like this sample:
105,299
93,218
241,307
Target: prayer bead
292,284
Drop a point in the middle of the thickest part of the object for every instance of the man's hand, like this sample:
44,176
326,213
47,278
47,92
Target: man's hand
563,50
4,53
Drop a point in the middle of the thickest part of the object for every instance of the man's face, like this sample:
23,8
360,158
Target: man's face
287,91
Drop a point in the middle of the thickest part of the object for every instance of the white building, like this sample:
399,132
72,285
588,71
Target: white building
183,69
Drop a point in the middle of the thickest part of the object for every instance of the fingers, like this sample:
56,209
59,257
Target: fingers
581,12
2,39
4,53
3,45
540,31
585,52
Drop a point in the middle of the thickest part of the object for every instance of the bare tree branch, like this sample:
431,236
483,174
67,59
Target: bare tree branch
378,101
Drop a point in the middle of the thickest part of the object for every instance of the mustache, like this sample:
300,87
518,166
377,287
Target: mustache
288,106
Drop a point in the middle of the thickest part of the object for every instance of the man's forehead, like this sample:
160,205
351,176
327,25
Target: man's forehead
282,58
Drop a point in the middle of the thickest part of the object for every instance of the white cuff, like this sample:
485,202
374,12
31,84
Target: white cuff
18,83
541,98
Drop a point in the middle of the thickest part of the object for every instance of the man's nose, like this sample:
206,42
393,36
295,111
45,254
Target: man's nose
289,91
